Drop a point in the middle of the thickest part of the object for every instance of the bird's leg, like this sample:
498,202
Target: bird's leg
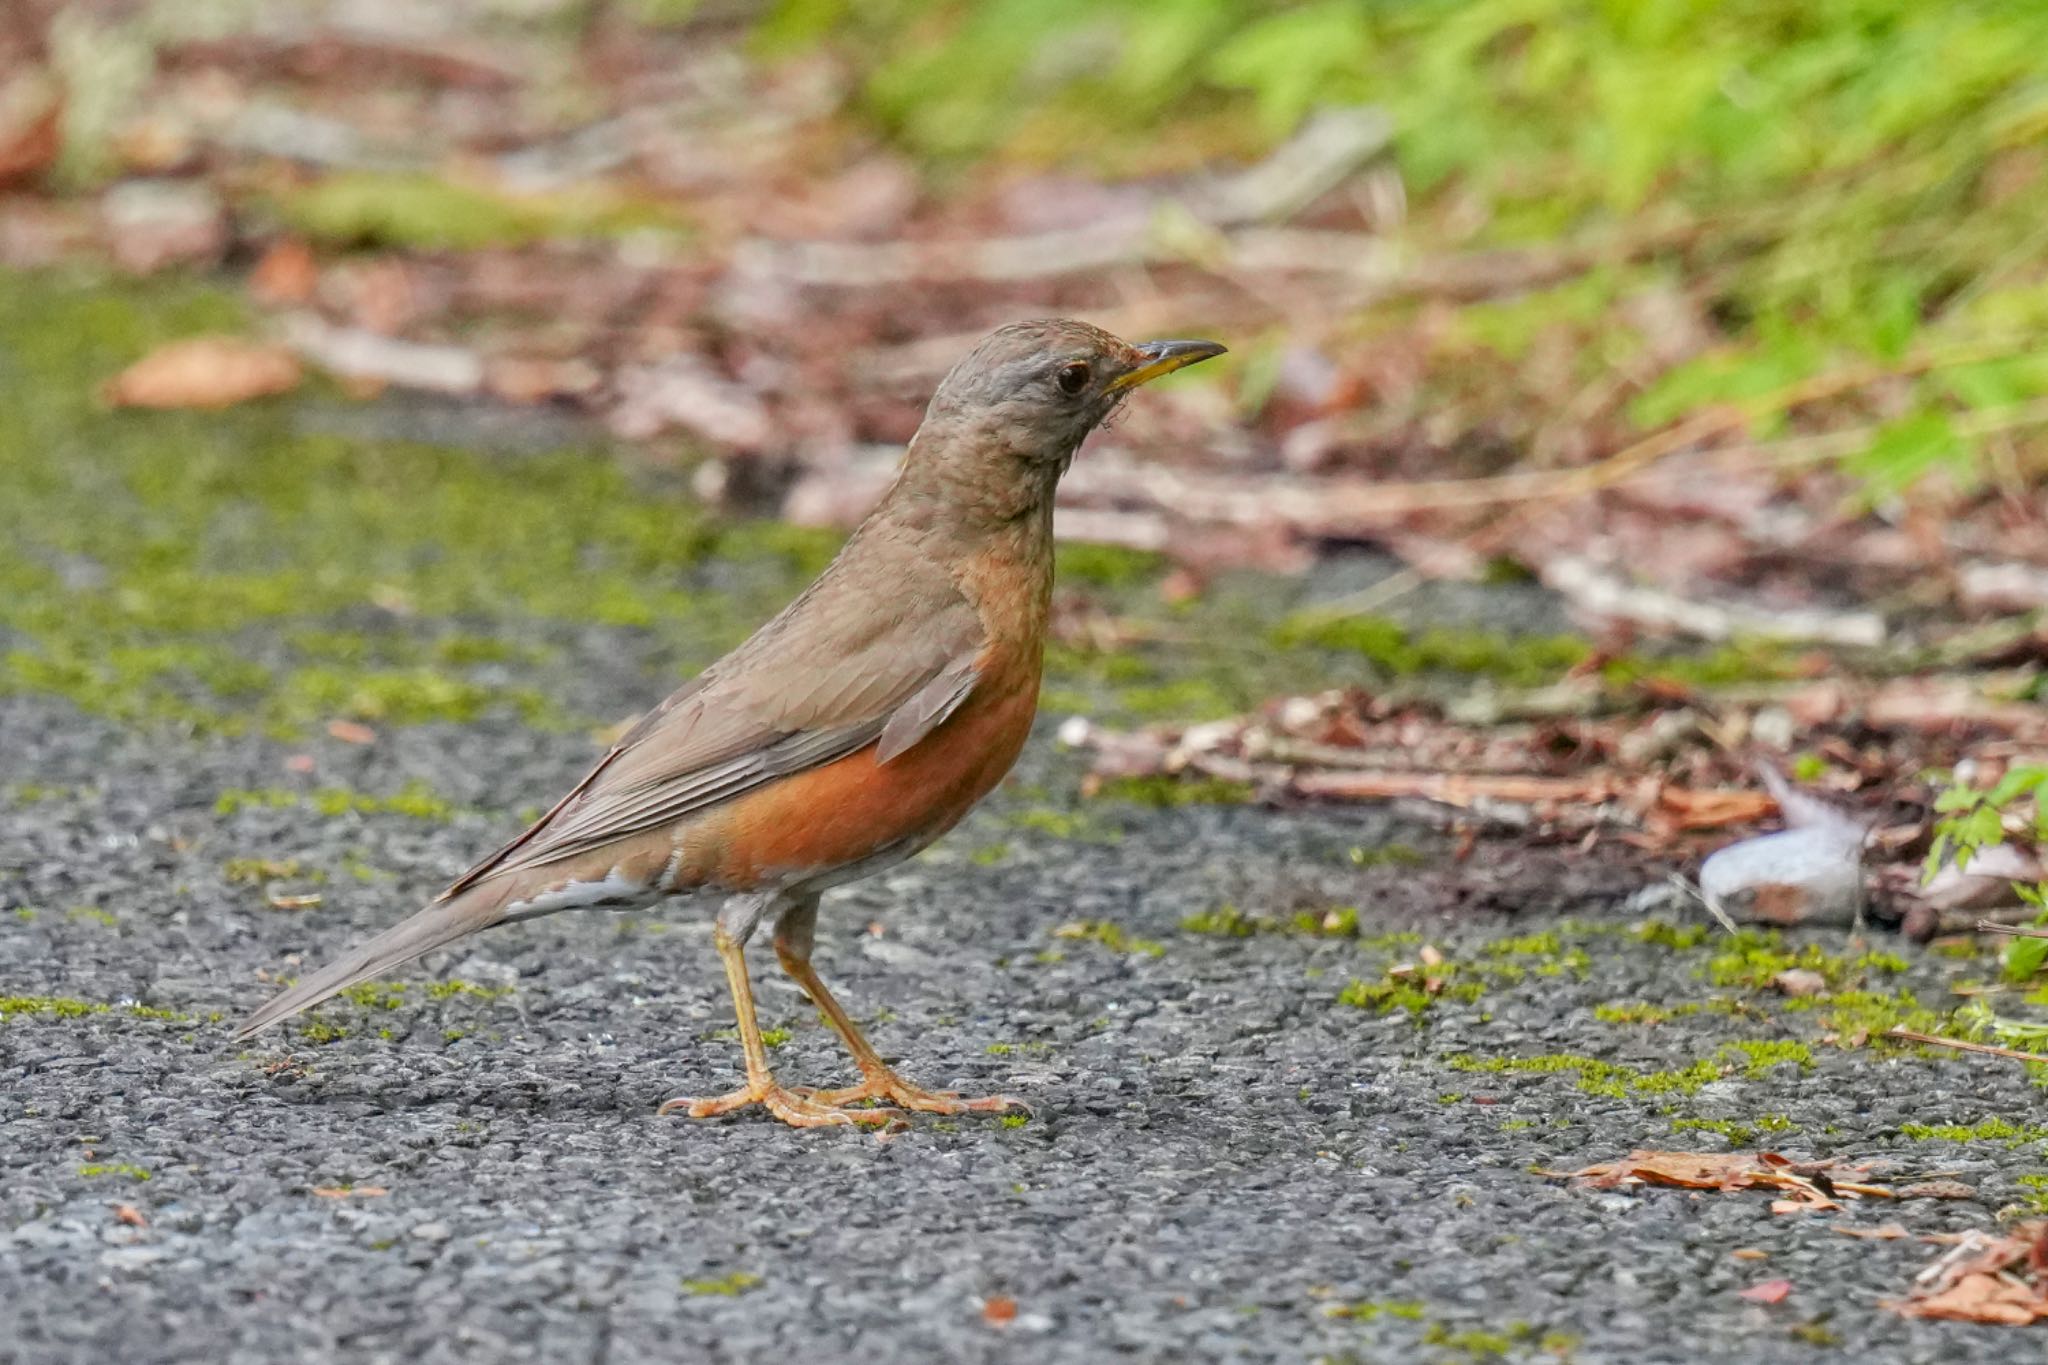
794,933
793,1107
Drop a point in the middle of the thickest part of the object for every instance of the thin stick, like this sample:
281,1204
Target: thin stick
1935,1040
1992,926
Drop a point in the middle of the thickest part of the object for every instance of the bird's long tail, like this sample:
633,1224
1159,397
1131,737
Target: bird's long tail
439,924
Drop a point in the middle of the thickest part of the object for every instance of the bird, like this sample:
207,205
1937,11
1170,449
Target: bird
848,733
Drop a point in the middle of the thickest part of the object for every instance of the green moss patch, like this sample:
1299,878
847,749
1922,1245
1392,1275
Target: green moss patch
414,800
1108,566
238,571
1163,792
1370,1310
1525,661
64,1007
126,1170
1737,1132
724,1286
1988,1130
1110,936
1594,1076
1079,826
1753,959
406,209
1412,988
1680,937
1227,921
1641,1012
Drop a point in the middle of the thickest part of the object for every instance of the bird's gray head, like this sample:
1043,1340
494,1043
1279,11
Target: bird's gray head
1032,391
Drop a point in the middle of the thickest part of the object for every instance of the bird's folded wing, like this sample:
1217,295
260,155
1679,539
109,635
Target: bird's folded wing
928,707
814,685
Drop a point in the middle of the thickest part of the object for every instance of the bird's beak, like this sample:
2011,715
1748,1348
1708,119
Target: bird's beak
1163,357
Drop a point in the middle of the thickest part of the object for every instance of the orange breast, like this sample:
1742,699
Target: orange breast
853,809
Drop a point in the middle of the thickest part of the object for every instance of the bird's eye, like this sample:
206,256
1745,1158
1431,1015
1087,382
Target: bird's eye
1073,378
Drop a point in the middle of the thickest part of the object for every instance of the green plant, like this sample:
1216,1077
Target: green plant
1841,185
1972,819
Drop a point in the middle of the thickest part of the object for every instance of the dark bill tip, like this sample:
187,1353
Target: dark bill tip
1164,357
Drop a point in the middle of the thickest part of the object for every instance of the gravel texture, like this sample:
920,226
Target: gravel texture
1222,1160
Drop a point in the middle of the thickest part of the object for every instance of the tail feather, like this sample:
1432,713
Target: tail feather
434,927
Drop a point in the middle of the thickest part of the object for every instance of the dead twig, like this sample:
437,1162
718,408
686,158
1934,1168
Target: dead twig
1989,1049
1992,926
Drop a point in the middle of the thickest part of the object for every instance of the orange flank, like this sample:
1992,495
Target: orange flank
848,811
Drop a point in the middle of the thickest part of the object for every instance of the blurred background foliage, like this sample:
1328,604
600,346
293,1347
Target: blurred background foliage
1861,177
1594,221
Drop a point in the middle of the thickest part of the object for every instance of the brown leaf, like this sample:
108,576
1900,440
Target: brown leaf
1713,808
129,1214
287,274
1750,1254
31,127
1884,1232
203,372
351,1191
999,1310
1984,1278
538,379
1937,1189
1983,1298
1729,1171
1769,1291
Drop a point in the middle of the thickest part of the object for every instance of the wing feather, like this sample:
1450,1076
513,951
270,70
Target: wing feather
771,708
928,707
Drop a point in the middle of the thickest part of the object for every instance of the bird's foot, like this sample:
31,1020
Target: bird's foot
889,1088
797,1108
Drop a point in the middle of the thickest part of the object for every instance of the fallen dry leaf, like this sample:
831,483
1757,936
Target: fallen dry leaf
1985,1278
1769,1291
1714,808
351,732
351,1191
1884,1232
31,127
1812,1185
1937,1189
204,372
999,1310
1750,1254
129,1214
287,274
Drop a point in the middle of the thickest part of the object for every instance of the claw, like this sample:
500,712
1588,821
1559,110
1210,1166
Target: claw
889,1088
797,1108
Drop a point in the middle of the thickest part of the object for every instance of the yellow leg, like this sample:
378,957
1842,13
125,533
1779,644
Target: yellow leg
793,1107
793,939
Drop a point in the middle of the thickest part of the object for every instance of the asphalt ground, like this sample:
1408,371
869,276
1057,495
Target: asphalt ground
1223,1159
